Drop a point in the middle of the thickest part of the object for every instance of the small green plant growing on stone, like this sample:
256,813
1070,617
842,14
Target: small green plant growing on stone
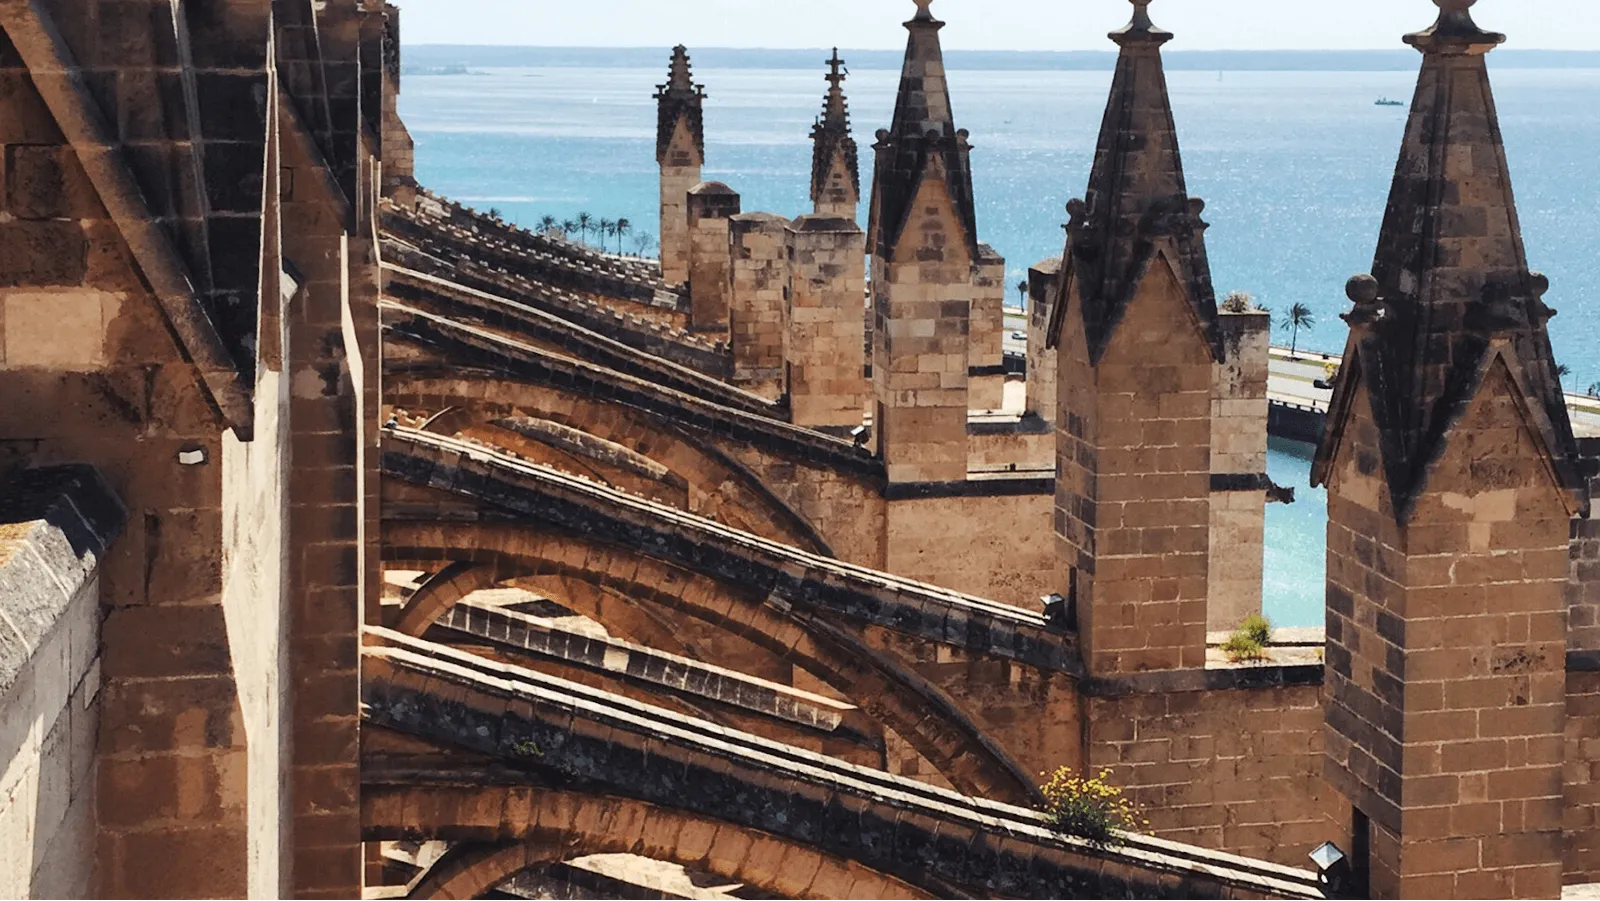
1090,808
527,749
1238,302
1250,640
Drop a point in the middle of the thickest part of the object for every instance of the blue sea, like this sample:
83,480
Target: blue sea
1294,167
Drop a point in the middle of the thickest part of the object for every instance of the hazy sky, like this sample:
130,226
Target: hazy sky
978,24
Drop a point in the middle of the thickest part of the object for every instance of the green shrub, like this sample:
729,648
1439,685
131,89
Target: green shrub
1089,808
1250,640
1258,627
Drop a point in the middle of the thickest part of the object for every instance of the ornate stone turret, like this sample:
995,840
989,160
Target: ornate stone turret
835,171
680,151
1135,328
1449,462
926,283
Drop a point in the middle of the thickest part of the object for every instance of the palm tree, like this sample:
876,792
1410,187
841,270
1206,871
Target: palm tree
605,230
1022,293
585,222
1562,371
547,223
567,228
623,227
1299,317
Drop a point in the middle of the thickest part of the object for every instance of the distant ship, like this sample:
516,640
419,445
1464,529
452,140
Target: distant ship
1384,101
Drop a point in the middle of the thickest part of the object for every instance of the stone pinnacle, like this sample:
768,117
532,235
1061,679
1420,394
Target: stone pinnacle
1141,30
923,10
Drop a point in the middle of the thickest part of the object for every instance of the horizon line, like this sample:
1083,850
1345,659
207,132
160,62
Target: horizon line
1390,49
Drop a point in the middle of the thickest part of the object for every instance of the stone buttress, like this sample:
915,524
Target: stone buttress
825,302
760,272
711,207
680,151
1238,468
1135,328
1450,467
835,167
922,234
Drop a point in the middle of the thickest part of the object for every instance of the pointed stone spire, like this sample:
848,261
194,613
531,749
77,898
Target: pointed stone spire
923,138
679,98
1136,199
835,168
1450,288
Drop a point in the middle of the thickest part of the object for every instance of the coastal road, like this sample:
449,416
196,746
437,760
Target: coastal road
1291,379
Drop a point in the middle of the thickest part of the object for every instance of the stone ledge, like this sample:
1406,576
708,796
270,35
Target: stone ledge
1240,481
1003,484
1224,679
1013,424
55,526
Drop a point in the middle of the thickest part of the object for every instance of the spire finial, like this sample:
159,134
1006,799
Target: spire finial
924,13
834,77
1455,33
1141,30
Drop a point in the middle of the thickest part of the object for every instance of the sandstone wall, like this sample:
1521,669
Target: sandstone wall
823,354
922,304
994,546
1034,716
50,669
1043,283
680,172
986,334
710,206
755,317
1236,769
1029,445
1581,777
1239,451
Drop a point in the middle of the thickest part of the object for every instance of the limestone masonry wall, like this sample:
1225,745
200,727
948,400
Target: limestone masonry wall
760,283
50,664
994,546
1237,769
922,304
1043,284
986,332
824,357
1238,448
711,205
1133,500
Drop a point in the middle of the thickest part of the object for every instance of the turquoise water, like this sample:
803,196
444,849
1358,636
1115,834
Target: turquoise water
1294,166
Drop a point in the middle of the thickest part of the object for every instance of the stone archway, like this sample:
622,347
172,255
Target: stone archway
735,495
504,830
887,691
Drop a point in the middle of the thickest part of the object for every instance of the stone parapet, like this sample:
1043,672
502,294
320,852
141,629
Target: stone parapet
56,525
